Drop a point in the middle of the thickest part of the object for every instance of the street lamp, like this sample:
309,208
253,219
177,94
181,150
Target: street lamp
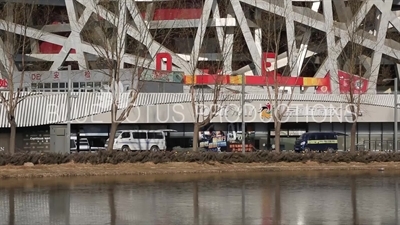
396,203
243,100
68,134
395,110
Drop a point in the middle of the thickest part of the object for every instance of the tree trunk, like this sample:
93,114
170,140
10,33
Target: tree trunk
114,126
111,138
196,131
13,131
277,141
353,137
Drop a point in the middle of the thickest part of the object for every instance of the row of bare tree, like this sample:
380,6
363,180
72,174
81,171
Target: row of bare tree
119,29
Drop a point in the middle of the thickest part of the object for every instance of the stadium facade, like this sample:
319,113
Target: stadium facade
312,49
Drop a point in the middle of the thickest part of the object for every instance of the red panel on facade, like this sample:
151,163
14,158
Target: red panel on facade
347,83
49,48
212,79
176,14
324,89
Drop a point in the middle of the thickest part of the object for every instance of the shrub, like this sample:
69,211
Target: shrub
115,157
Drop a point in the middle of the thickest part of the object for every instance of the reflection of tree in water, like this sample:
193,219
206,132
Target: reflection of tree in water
266,205
11,207
277,209
353,185
111,204
195,203
207,213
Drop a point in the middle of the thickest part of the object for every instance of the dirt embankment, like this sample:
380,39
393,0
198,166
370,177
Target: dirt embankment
30,165
80,169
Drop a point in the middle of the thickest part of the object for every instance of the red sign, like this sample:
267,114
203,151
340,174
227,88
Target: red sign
324,89
347,83
354,83
3,83
87,75
36,76
56,75
159,61
267,59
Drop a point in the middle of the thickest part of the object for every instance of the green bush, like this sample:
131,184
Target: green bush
116,157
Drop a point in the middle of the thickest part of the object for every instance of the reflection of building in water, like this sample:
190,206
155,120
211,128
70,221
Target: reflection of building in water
59,206
303,200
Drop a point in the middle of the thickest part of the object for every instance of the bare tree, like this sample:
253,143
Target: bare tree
279,42
15,19
119,29
215,40
207,77
354,63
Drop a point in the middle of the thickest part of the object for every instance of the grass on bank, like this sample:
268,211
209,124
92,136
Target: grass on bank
116,157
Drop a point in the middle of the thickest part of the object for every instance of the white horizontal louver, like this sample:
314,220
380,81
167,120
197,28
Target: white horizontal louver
45,108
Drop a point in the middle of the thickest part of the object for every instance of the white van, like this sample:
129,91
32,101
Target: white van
139,140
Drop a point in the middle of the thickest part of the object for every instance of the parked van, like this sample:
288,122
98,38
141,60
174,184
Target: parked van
83,144
127,140
317,141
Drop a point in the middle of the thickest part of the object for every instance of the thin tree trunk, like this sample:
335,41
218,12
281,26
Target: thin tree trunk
196,131
277,136
353,137
113,130
114,126
13,131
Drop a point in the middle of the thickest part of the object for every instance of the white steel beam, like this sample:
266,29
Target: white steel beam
258,32
145,37
335,49
190,23
74,37
255,55
201,30
4,59
142,36
380,41
290,37
344,13
121,32
225,40
302,53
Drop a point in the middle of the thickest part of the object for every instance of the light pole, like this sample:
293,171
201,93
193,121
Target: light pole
396,203
68,133
243,100
395,111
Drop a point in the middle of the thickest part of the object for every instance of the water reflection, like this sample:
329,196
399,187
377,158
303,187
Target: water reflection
259,198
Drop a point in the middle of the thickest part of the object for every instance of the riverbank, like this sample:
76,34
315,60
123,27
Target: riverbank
103,163
78,169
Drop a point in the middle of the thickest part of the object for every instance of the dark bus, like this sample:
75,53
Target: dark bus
317,141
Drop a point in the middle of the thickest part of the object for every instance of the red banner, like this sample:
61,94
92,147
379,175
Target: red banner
352,83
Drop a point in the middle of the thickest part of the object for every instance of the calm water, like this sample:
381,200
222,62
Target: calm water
293,198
